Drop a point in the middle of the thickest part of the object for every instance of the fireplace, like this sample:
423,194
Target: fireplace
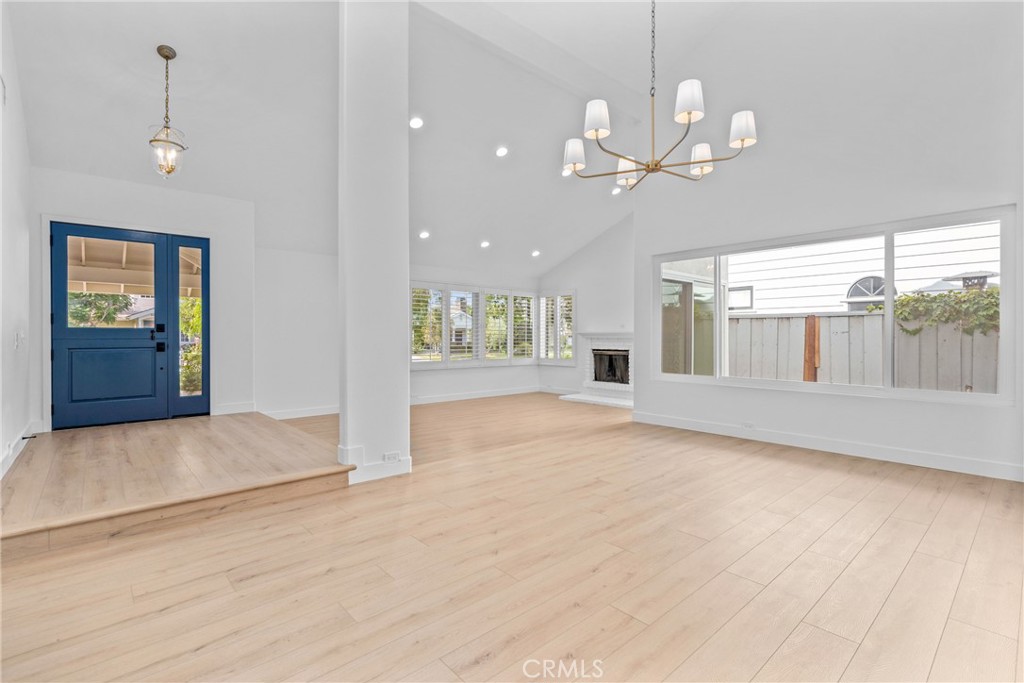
607,378
611,366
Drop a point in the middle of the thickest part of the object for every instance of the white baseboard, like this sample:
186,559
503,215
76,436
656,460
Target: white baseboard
301,412
466,395
379,470
232,408
906,456
11,453
561,391
355,455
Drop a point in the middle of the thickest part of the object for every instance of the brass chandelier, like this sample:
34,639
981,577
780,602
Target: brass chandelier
689,109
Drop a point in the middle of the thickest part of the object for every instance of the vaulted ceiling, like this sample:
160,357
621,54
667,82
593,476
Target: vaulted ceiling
256,88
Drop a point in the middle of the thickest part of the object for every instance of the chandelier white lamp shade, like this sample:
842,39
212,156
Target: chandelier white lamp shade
689,109
743,132
575,158
596,124
627,172
689,102
167,144
701,157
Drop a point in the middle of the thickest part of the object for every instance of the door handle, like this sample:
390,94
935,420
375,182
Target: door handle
152,335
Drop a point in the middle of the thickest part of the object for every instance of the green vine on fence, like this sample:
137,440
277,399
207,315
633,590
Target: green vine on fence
972,310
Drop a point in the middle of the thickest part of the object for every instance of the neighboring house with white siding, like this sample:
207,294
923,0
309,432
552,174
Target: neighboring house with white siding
818,278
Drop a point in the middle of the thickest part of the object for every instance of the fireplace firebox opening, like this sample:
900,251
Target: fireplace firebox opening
611,365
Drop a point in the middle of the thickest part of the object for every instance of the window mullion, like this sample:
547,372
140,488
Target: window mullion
889,315
719,314
446,303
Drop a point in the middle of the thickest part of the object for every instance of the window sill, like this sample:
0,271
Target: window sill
428,366
912,395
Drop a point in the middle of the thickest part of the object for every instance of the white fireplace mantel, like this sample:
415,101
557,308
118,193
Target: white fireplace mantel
604,393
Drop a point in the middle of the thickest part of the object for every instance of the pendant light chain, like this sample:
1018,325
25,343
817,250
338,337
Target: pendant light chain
167,92
652,48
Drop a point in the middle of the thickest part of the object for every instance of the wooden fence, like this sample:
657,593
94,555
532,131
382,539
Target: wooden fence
847,348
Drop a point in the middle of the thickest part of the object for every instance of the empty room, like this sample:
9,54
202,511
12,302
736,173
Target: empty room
511,341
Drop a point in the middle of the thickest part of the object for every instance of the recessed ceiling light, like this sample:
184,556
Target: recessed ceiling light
616,190
535,253
424,235
415,122
566,173
501,151
485,244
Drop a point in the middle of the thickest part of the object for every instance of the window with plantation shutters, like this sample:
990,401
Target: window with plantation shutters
565,327
427,325
496,327
464,326
557,327
548,329
461,325
522,326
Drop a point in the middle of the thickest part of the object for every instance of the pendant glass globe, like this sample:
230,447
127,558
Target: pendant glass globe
168,150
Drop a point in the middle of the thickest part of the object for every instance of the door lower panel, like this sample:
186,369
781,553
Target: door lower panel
99,383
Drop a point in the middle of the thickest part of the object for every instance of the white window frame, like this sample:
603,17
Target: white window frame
479,321
1011,266
538,314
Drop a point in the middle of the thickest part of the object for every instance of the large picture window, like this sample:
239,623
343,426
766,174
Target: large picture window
911,306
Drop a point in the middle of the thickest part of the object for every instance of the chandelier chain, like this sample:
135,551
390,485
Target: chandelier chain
167,92
652,48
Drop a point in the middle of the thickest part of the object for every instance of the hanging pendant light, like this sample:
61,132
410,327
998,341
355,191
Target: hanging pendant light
632,169
167,144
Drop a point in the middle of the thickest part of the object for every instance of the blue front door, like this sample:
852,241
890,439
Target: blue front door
129,326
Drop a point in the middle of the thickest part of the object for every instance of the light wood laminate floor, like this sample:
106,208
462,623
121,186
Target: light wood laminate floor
536,529
67,474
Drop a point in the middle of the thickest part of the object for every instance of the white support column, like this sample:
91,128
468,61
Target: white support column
373,239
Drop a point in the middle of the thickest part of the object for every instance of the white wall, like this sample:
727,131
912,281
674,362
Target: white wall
296,333
432,385
16,333
601,273
228,223
814,169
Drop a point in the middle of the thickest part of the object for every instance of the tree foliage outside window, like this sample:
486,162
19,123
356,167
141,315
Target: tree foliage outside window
496,329
565,327
971,310
427,324
86,309
522,326
190,321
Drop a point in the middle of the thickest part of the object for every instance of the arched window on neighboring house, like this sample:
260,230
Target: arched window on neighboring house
865,292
